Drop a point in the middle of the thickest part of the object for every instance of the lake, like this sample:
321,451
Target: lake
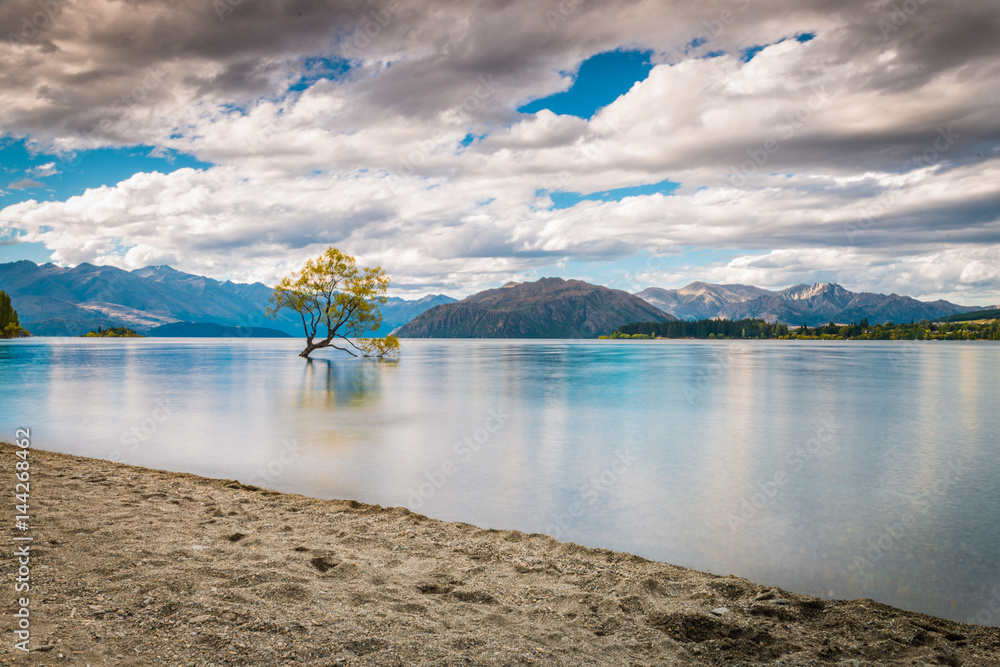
840,469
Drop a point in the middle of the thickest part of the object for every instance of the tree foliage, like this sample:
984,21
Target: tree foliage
702,329
974,315
10,325
863,330
922,330
337,301
112,332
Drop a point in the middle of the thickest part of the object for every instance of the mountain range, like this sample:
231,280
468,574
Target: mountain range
58,301
546,308
212,330
800,304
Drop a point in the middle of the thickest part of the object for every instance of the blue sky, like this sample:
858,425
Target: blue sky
56,177
600,80
460,148
43,176
562,199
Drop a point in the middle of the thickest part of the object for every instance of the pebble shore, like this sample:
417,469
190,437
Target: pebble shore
131,566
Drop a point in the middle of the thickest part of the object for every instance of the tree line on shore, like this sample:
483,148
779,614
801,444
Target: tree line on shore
112,332
989,314
759,329
702,329
10,324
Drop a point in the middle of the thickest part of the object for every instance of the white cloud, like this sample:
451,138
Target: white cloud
818,159
43,170
216,221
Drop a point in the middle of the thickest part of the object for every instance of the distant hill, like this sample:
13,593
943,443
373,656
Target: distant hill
396,312
212,330
70,301
547,308
57,301
800,304
973,315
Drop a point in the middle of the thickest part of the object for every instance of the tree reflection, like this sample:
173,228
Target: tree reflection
341,383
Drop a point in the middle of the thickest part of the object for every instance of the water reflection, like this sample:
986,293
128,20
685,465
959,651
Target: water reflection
330,383
819,451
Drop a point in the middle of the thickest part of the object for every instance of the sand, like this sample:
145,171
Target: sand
131,566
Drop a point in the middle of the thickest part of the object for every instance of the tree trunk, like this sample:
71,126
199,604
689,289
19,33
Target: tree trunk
312,347
309,346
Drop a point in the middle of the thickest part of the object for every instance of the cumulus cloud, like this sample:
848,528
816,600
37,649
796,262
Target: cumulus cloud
44,170
868,154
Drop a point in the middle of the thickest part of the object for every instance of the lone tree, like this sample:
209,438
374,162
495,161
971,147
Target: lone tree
10,325
333,295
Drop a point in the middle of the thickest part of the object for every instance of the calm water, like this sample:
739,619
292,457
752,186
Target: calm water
837,469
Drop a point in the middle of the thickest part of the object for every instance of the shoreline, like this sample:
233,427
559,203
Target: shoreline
134,566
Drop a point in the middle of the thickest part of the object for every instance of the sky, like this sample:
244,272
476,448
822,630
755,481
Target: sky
461,145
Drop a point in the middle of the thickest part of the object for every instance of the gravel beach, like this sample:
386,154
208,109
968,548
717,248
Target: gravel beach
131,566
